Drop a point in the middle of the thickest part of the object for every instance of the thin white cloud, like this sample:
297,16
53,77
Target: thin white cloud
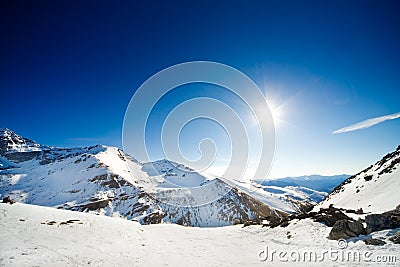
367,123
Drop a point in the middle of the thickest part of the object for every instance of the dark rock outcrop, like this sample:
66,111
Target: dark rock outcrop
346,229
395,238
8,200
330,216
374,242
95,205
386,220
327,216
155,218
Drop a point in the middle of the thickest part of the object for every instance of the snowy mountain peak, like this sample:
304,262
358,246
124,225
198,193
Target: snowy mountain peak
12,142
5,131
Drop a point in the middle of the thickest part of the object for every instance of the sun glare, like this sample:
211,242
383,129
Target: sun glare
276,113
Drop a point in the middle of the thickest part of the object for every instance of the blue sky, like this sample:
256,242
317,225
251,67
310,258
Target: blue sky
69,69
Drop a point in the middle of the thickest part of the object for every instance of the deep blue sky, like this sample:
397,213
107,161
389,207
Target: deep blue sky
69,68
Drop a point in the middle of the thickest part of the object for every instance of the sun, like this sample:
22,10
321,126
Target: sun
276,112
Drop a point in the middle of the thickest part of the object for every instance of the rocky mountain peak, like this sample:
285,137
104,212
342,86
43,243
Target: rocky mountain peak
11,142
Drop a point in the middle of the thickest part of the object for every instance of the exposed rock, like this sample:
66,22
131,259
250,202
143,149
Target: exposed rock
45,161
284,223
73,220
112,183
330,216
360,211
368,178
22,156
304,206
395,238
392,166
288,235
346,229
155,217
247,222
7,199
100,177
374,242
386,220
140,207
350,211
303,215
327,216
274,221
95,205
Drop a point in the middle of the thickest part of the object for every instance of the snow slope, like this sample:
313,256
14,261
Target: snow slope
375,189
41,236
170,174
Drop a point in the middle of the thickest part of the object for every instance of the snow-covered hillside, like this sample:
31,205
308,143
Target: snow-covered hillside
41,236
375,189
97,179
172,174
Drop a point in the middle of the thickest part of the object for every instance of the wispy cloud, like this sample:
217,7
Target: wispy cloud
367,123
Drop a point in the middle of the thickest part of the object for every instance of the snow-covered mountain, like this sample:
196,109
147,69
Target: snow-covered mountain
375,189
98,179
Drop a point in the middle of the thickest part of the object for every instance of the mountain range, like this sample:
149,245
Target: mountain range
97,179
104,180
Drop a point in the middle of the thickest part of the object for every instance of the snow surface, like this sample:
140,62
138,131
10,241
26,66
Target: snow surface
376,189
169,174
27,239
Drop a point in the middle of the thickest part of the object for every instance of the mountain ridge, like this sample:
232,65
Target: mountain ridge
97,179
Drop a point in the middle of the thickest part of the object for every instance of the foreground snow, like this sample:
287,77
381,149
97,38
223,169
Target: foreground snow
41,236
